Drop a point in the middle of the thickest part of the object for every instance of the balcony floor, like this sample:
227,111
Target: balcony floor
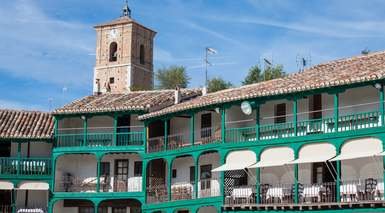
306,206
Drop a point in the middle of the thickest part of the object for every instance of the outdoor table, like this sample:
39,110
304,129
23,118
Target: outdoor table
349,190
30,210
277,192
312,192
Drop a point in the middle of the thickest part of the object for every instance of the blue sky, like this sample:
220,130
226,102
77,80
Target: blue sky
47,46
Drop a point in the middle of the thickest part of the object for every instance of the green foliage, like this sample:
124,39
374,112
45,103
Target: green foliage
171,77
216,84
256,75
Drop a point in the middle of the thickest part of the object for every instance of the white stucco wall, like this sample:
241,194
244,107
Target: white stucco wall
36,198
84,166
37,149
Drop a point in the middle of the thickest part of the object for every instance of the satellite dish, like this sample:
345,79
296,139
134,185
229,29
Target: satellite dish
246,108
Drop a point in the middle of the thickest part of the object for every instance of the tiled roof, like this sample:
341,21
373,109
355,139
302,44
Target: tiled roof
130,101
25,125
334,73
121,20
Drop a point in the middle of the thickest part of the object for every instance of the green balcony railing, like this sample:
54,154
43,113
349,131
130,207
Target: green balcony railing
99,139
10,166
307,127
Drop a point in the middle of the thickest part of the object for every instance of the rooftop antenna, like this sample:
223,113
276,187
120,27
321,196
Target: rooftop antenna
303,62
126,10
209,51
267,65
50,104
365,51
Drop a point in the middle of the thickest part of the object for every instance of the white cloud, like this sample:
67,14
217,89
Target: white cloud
40,47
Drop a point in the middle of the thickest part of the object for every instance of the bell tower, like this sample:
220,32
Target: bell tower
124,55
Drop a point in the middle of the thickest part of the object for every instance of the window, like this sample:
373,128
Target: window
113,51
205,176
315,106
206,171
112,80
192,174
138,166
206,125
119,209
174,173
86,209
121,175
280,113
141,54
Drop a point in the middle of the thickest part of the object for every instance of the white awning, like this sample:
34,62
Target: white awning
277,156
314,153
349,156
360,148
237,160
5,185
34,185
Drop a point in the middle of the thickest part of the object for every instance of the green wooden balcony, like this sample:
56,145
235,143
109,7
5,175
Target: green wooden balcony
99,139
303,128
31,167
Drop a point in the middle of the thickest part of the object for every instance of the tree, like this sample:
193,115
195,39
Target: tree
255,74
216,84
172,77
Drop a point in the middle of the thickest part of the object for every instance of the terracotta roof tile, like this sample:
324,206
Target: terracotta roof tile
334,73
25,125
131,101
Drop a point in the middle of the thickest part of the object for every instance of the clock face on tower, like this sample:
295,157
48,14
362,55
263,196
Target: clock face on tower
112,34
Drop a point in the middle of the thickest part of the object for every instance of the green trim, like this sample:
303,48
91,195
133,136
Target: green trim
336,111
382,108
223,125
257,117
192,129
295,117
115,130
85,127
165,134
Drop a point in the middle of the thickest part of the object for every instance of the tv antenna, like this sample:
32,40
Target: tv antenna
208,51
303,62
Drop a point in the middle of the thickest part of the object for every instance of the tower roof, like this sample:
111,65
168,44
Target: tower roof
121,21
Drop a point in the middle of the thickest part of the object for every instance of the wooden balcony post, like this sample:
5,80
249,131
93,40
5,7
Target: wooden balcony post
296,197
85,130
13,201
165,134
18,167
258,184
192,129
257,115
115,130
53,172
338,178
223,125
196,177
336,111
145,136
98,160
382,104
169,177
144,179
295,117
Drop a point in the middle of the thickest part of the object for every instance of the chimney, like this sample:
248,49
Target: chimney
177,95
204,91
97,85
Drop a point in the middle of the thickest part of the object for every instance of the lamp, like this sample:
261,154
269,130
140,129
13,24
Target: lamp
378,86
247,107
